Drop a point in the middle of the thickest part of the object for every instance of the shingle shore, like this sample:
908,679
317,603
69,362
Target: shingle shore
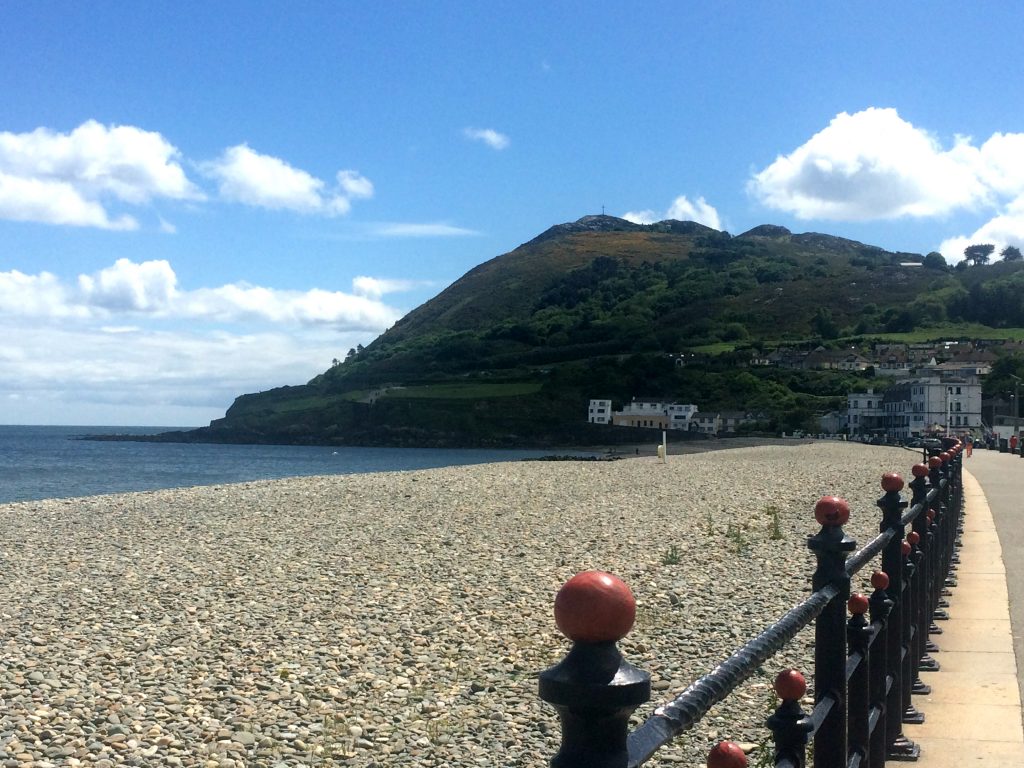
396,618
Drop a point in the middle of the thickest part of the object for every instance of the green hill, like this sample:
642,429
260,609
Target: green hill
510,353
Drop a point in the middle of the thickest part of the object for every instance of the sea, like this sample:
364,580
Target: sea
49,462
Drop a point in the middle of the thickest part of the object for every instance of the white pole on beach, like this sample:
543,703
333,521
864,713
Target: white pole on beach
664,447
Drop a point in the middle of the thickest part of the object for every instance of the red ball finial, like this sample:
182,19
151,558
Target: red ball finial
595,607
934,462
880,580
919,470
905,548
790,685
858,604
931,515
832,511
913,537
892,482
945,456
727,754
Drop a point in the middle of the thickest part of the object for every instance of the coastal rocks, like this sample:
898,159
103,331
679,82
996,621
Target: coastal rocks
394,619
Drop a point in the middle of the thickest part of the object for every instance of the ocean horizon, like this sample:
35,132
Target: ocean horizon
48,462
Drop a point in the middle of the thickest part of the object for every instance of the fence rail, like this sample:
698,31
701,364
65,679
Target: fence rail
866,666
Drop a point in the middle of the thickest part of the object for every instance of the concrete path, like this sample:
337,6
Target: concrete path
973,714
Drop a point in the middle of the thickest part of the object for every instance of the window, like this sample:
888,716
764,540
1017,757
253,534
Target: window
958,407
958,390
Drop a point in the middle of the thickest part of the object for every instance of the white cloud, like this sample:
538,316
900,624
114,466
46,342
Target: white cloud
646,216
376,287
246,176
147,287
246,303
143,349
145,376
53,202
488,136
1007,228
439,229
69,178
354,185
681,209
40,295
875,165
151,289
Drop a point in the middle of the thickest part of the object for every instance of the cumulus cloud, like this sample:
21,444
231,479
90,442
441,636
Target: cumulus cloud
130,287
682,209
41,295
874,165
242,302
871,165
150,289
140,344
1007,228
135,375
249,177
488,136
71,178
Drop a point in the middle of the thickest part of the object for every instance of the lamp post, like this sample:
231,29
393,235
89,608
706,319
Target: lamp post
1016,395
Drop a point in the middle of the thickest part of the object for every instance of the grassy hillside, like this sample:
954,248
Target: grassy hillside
510,353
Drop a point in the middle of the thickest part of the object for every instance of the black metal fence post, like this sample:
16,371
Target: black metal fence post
593,688
881,606
858,637
898,746
830,545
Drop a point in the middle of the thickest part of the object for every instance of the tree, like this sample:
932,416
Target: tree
978,254
935,260
1011,253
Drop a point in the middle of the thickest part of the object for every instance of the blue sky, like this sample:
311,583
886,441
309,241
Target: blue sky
199,200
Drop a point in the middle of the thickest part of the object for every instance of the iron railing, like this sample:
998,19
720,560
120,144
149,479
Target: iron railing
866,667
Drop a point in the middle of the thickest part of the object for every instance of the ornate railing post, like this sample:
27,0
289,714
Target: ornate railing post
908,673
830,545
593,688
899,747
858,636
881,606
789,724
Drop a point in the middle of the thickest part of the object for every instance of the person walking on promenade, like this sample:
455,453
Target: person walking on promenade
1013,443
970,446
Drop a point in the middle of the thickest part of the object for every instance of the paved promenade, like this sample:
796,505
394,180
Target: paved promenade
973,715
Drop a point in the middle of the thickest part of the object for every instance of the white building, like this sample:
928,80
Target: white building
654,413
600,412
949,404
865,413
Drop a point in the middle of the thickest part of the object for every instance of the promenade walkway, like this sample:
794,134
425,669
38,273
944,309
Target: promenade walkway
973,714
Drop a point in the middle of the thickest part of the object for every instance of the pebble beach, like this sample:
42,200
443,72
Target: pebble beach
399,618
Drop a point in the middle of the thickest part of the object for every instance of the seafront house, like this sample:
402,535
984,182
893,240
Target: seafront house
932,403
650,412
600,412
865,415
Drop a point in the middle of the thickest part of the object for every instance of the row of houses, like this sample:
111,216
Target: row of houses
669,415
936,402
912,407
893,360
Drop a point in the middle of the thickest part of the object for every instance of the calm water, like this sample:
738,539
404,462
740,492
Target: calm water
47,462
